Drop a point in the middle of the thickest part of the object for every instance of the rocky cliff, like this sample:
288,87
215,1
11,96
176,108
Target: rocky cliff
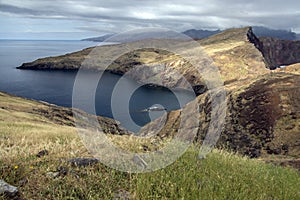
276,52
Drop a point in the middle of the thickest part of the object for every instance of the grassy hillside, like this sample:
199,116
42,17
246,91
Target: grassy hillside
222,175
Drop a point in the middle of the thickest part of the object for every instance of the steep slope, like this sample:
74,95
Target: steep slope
234,55
263,117
276,52
280,52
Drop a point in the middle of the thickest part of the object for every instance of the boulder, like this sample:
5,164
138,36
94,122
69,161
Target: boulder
7,189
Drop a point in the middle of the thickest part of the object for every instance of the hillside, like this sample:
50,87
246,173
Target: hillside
38,141
262,118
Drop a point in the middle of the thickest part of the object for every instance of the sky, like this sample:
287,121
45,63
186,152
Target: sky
78,19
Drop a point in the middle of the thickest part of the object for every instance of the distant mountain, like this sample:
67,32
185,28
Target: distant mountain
200,34
260,31
132,36
99,39
193,33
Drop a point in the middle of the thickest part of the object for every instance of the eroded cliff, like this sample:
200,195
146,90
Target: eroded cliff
276,52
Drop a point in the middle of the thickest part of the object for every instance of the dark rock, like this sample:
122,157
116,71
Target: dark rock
42,153
83,162
145,148
63,171
254,153
8,190
199,89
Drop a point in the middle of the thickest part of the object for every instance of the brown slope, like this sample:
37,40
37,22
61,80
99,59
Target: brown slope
234,55
263,117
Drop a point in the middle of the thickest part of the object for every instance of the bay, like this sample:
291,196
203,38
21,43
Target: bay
56,87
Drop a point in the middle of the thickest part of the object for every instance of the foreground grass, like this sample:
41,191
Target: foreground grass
220,176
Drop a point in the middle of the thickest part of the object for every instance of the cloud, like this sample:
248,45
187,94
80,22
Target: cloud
116,16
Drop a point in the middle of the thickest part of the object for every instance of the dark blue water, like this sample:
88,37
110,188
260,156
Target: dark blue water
56,86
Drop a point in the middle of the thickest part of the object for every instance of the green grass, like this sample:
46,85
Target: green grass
220,176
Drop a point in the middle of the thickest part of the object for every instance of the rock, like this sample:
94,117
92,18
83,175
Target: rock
63,171
199,89
42,153
7,189
83,162
53,174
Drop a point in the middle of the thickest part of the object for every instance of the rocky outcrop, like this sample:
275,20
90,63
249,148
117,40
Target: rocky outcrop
276,52
7,189
71,61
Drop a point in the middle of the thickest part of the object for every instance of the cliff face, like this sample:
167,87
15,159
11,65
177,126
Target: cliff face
276,52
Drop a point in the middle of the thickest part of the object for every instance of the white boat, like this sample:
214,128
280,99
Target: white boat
154,108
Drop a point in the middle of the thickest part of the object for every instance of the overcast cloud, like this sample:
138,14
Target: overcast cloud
51,18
